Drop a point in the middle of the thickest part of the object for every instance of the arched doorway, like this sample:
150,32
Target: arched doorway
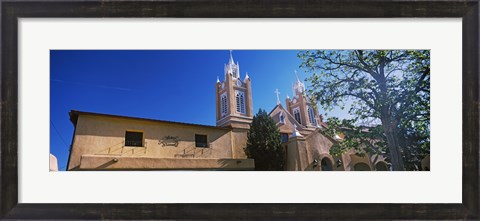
381,166
361,167
326,164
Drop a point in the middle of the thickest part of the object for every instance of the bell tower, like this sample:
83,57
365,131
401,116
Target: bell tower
301,108
234,98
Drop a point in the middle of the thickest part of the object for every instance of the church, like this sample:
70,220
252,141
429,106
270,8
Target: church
103,141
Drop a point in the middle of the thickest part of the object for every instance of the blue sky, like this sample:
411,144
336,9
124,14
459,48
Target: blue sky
167,85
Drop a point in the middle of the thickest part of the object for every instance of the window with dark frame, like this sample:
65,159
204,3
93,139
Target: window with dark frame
296,114
311,116
133,139
284,137
201,140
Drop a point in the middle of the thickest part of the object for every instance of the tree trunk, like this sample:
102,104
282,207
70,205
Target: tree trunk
389,126
393,144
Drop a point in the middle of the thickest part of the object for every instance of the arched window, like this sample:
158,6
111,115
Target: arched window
361,167
296,114
223,104
240,101
311,116
282,118
326,164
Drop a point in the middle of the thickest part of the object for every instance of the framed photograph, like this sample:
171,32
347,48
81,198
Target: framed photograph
236,110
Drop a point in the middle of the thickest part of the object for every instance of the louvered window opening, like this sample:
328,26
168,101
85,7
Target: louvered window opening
311,116
240,102
224,104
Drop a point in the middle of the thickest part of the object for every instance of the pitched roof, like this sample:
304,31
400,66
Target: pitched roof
299,126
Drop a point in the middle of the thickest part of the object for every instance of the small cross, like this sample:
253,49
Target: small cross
278,97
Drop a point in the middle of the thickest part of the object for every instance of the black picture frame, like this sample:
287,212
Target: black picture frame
466,9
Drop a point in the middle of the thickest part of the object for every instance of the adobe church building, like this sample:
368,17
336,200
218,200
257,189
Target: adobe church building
110,142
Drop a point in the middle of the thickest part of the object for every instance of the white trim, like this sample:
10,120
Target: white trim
281,117
240,103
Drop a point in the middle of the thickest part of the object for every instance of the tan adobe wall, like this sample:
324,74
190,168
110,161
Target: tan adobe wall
318,146
296,154
239,141
95,162
105,135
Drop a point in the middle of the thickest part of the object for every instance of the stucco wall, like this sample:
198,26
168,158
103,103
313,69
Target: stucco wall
105,135
95,162
318,144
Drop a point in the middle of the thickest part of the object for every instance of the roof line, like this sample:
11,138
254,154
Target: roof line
75,113
288,114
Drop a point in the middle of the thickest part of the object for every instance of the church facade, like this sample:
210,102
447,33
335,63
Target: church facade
111,142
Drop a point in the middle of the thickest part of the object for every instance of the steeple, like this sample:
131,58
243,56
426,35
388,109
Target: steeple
302,108
232,68
234,98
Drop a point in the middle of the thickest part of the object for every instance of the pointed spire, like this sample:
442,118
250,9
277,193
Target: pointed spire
246,75
218,80
232,68
298,87
231,58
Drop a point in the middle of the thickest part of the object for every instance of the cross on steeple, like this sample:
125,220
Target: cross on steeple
278,97
299,86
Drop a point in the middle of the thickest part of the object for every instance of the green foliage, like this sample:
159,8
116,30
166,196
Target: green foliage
264,144
362,139
389,93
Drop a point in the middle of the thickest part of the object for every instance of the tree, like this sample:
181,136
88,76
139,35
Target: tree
264,144
389,92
